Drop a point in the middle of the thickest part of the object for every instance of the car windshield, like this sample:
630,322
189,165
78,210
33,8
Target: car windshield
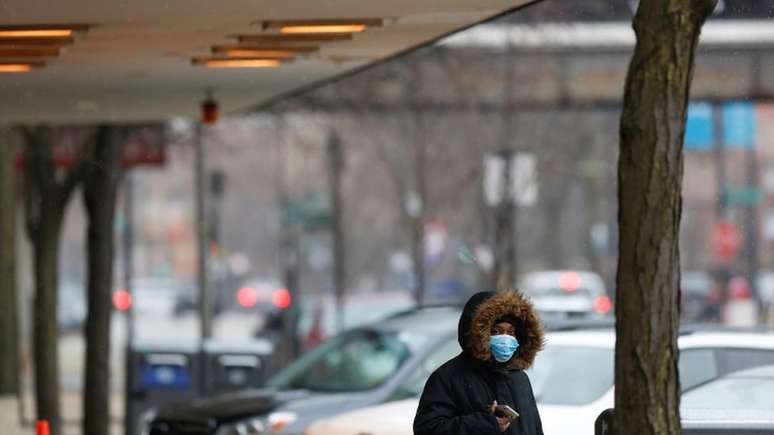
731,393
354,361
557,377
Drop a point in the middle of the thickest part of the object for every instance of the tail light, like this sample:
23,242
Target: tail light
122,300
281,298
603,304
739,289
247,297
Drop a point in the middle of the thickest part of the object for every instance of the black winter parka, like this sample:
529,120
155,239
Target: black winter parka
457,397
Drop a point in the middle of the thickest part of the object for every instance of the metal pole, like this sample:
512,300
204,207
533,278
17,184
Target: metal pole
336,167
751,224
128,245
418,201
128,258
205,300
721,203
505,221
418,221
505,255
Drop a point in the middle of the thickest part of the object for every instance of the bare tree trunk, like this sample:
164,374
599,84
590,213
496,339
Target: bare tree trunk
650,177
46,347
9,326
46,198
100,186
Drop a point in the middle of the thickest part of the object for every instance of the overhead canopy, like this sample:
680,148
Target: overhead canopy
134,64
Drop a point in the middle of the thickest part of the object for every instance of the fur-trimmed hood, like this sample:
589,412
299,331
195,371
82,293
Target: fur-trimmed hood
479,315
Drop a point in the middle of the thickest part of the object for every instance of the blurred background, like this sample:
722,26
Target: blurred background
488,155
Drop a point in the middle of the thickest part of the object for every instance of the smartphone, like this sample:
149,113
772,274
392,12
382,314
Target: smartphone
506,411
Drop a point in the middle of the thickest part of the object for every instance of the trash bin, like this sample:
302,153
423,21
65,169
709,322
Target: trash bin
231,366
158,374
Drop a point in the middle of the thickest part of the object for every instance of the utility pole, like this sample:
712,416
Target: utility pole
217,182
504,272
128,257
719,156
417,201
751,222
505,269
128,248
336,169
205,299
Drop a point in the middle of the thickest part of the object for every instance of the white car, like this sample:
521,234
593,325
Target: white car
573,380
568,292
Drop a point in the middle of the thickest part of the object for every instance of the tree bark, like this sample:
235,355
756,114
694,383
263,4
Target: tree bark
46,198
650,177
9,326
100,187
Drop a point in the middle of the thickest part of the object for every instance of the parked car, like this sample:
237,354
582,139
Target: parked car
568,292
260,294
357,368
573,380
751,389
151,296
696,294
569,402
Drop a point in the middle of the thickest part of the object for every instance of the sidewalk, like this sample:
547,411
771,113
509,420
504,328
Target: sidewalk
9,417
71,412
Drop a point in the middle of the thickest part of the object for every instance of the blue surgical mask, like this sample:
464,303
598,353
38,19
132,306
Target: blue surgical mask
502,347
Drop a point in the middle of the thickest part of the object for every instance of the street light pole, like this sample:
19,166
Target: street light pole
205,300
505,218
336,165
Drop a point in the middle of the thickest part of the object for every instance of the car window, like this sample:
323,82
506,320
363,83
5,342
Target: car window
415,383
697,366
731,393
356,361
567,375
734,360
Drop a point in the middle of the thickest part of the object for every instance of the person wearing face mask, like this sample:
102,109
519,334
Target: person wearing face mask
500,334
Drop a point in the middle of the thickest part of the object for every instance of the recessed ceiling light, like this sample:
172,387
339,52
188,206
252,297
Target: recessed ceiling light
321,26
42,31
261,51
29,52
293,38
237,62
17,67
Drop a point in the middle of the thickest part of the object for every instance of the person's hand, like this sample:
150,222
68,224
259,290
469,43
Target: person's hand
502,422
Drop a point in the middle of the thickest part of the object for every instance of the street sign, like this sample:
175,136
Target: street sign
310,213
748,196
494,167
739,125
726,240
524,179
523,188
699,128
